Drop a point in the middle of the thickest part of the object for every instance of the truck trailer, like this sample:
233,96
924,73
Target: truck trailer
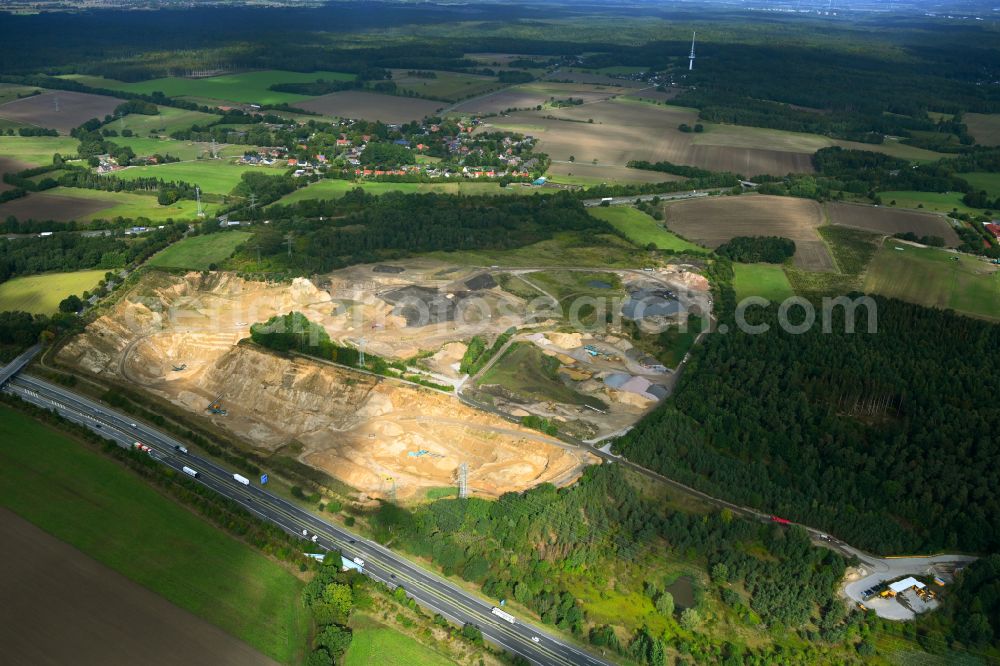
190,472
503,615
241,479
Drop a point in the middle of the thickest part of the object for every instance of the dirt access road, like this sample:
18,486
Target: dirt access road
101,617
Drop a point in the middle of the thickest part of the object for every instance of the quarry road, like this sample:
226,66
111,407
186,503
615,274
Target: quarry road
429,590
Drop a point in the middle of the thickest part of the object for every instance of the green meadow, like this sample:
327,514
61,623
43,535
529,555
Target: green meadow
97,506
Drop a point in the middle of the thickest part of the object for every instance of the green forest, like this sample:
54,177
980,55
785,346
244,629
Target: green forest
537,547
882,439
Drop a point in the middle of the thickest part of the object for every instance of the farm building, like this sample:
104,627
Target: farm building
994,229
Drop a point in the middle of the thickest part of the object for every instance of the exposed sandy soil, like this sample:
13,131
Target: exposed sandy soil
43,206
358,428
371,106
889,221
62,607
623,131
712,221
72,109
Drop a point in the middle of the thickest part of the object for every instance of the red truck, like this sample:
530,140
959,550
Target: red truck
780,521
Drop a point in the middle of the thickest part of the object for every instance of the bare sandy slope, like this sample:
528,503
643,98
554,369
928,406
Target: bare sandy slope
712,221
358,428
62,607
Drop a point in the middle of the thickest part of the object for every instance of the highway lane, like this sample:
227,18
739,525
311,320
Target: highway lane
430,591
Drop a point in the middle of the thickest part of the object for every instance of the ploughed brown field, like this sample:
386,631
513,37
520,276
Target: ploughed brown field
531,95
626,129
60,110
985,127
62,607
714,220
371,106
8,165
42,206
891,221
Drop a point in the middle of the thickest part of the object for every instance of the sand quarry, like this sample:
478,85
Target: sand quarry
177,337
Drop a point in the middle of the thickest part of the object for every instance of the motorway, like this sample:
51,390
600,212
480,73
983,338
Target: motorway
430,591
622,201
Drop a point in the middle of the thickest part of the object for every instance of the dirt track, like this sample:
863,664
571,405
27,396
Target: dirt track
62,607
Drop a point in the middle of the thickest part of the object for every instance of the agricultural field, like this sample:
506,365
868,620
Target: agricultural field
36,150
530,95
592,77
766,280
711,221
615,131
988,182
212,176
939,202
371,106
451,86
63,204
184,150
58,205
169,120
375,643
935,278
197,253
13,91
90,502
587,174
984,127
334,188
60,110
642,229
100,616
8,165
41,294
889,221
625,129
246,88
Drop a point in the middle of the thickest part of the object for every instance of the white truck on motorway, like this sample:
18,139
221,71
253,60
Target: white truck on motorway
503,615
190,472
241,479
180,448
360,562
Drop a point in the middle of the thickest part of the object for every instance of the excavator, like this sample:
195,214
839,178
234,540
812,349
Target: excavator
215,407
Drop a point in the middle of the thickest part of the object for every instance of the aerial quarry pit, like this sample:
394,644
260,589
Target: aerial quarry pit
178,338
